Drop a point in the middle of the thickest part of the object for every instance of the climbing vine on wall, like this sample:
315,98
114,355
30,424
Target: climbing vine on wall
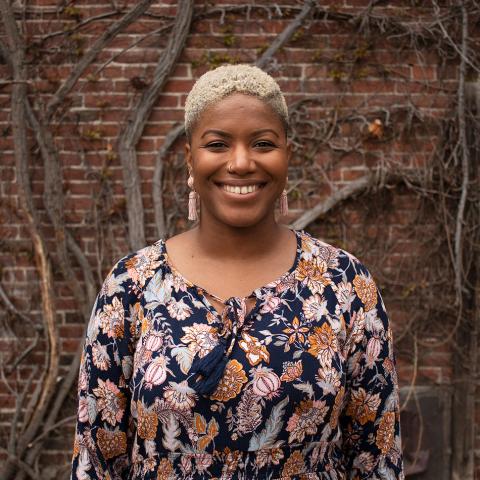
359,150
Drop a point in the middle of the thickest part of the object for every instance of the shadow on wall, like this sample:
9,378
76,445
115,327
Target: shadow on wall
425,420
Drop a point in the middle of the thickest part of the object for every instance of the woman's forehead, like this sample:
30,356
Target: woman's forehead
239,112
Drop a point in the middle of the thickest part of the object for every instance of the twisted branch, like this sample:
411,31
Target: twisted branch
138,117
170,139
89,56
354,188
46,387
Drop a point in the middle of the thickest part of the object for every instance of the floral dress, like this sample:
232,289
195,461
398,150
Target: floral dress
308,388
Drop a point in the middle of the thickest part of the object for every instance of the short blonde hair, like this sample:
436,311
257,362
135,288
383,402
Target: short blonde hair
217,84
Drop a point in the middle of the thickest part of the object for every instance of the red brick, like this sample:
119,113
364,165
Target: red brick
388,76
424,73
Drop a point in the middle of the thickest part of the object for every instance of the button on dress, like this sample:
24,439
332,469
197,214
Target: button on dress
307,389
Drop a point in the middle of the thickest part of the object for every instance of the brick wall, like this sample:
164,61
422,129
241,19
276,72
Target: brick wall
351,76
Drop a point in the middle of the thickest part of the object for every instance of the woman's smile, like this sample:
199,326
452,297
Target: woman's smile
246,190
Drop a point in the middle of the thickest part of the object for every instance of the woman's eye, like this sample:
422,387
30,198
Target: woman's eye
264,144
215,145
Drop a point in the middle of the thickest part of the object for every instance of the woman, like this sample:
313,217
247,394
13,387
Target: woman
239,349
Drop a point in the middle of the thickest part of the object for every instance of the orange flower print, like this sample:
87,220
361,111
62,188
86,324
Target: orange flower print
344,294
178,283
296,332
291,371
207,432
374,347
363,406
111,442
231,383
111,402
386,432
147,423
200,338
309,414
336,409
314,274
268,456
165,470
112,318
143,265
203,461
179,310
76,446
328,255
294,465
179,395
100,357
323,344
329,378
388,365
255,351
270,303
358,326
231,459
315,307
211,318
285,283
366,291
113,284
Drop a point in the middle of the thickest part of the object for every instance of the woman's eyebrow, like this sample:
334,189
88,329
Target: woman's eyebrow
265,130
221,133
256,133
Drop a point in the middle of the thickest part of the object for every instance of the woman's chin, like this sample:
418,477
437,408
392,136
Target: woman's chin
238,219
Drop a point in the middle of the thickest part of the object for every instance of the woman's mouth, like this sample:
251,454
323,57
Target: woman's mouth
241,190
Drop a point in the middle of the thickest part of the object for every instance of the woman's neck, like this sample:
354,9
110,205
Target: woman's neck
237,243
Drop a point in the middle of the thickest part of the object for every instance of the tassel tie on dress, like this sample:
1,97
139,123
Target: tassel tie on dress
212,365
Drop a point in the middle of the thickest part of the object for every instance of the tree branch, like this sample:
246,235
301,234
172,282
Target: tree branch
137,119
354,188
96,48
19,127
284,37
170,139
462,133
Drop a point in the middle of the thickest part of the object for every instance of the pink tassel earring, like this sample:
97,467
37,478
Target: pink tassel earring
192,201
284,203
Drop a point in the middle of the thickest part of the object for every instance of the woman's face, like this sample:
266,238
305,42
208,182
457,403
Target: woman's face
243,134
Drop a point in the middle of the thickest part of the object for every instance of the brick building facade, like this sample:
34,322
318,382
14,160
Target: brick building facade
370,89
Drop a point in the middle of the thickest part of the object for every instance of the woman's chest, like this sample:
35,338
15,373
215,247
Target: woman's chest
286,354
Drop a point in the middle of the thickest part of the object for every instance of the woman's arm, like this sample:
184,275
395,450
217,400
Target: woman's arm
370,419
102,439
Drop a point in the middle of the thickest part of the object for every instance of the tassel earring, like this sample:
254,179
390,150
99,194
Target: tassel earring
192,201
284,203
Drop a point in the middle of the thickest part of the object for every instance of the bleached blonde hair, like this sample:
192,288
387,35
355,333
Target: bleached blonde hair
217,84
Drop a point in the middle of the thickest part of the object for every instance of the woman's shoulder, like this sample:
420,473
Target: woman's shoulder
136,267
339,261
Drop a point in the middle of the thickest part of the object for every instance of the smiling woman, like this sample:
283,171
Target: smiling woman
239,349
239,167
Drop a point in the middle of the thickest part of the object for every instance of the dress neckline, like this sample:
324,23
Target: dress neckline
255,293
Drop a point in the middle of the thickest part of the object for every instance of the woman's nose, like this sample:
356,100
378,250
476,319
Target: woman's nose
241,161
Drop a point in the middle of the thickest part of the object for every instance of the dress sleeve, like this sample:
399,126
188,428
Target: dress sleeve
103,429
370,419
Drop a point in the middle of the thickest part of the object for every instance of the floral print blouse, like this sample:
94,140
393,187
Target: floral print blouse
309,390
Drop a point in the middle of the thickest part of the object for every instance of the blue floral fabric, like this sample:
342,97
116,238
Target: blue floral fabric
309,389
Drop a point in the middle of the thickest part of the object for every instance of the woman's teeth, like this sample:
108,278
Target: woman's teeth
241,190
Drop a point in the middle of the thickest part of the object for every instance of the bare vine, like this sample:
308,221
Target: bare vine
446,187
